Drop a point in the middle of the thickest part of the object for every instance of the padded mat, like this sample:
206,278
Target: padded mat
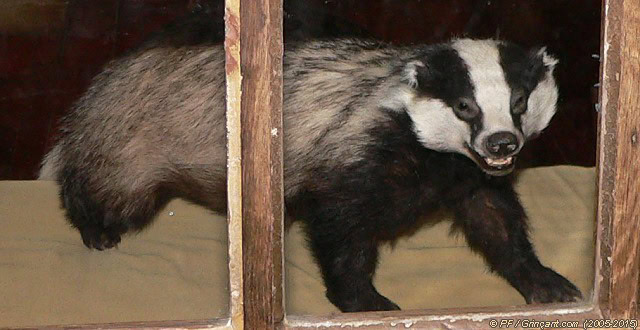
177,268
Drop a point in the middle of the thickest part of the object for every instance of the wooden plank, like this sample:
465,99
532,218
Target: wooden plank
219,324
457,318
606,157
625,255
262,185
234,156
618,255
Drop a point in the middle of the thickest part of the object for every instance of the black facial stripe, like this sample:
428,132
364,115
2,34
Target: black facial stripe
517,121
444,75
523,72
518,107
476,127
522,69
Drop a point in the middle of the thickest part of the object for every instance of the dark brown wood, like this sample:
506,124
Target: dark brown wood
606,157
261,51
619,204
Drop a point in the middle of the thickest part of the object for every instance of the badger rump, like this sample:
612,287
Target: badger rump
375,138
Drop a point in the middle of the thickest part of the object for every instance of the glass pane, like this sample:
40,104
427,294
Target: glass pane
412,143
143,142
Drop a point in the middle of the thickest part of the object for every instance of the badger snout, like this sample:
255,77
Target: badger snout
496,153
501,144
500,150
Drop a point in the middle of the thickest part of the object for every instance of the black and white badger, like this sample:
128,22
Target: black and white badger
376,137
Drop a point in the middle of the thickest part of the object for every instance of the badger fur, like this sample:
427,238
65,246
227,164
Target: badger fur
375,138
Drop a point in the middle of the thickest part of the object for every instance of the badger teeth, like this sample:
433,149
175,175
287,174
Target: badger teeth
499,161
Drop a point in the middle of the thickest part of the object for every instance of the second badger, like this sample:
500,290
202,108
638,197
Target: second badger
376,137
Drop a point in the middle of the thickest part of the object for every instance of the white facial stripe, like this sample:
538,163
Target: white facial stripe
541,106
437,127
492,92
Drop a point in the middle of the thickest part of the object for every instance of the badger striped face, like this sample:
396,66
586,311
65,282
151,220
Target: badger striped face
481,98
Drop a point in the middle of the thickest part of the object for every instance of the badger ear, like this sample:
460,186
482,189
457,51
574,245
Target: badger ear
547,60
411,72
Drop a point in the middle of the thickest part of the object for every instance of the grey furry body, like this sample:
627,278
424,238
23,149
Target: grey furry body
158,116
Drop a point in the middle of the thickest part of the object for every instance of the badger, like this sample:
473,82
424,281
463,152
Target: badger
376,138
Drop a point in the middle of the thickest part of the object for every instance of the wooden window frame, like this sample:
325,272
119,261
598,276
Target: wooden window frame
254,49
616,288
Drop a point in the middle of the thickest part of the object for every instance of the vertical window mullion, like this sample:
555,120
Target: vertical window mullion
618,266
234,155
261,51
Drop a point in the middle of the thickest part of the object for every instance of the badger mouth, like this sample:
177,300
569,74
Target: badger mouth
492,166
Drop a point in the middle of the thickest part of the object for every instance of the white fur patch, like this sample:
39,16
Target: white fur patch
410,74
548,60
543,99
437,127
397,98
541,106
492,92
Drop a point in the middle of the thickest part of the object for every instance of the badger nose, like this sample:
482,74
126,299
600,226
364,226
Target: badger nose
501,144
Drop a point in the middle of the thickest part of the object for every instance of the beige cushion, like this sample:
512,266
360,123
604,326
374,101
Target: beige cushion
177,269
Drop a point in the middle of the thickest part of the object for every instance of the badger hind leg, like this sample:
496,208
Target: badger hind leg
101,227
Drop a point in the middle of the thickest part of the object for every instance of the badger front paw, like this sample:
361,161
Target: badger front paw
362,302
100,238
547,286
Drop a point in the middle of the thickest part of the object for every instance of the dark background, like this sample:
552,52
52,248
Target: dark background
50,50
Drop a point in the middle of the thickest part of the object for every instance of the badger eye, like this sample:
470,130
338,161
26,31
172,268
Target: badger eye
519,105
465,109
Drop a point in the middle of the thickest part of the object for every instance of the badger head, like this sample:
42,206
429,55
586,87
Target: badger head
480,98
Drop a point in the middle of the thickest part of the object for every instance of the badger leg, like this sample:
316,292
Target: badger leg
101,228
348,264
494,224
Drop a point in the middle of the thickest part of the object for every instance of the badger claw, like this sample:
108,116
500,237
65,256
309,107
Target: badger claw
99,238
551,287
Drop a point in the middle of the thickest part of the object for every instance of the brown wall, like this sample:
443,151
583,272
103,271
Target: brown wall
50,49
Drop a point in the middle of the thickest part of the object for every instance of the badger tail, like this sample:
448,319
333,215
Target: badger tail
50,165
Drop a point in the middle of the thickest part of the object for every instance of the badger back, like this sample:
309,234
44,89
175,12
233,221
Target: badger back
334,94
148,117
